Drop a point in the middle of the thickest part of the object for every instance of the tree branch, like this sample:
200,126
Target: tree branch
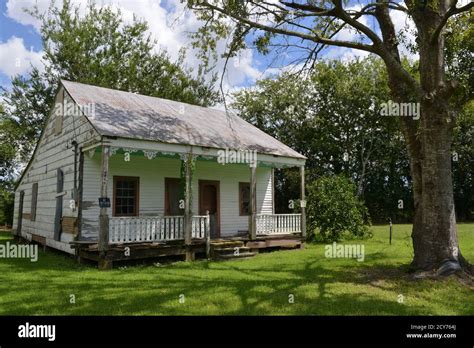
453,10
320,11
314,37
343,15
386,50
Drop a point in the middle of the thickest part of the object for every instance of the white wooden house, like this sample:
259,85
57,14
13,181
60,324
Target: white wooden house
114,169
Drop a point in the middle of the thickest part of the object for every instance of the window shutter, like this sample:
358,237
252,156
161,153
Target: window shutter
244,198
58,121
59,205
34,201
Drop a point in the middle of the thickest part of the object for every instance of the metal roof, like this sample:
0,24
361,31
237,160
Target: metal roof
129,115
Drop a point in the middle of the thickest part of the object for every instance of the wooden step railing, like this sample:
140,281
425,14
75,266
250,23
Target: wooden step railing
278,224
155,228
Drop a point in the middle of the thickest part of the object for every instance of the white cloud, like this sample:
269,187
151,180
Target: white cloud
16,11
169,23
344,54
171,28
15,58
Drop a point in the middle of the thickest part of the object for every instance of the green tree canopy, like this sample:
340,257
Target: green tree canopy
101,49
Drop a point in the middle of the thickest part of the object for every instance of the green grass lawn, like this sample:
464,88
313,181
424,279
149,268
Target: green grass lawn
258,286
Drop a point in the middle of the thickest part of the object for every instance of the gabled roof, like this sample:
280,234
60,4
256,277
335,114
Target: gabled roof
130,115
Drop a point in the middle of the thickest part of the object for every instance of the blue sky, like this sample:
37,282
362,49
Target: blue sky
9,29
20,42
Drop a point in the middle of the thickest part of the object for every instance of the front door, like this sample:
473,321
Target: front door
209,202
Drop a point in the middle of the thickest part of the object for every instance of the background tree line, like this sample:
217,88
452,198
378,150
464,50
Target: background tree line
333,117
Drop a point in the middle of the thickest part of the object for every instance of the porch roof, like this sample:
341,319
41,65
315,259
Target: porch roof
129,115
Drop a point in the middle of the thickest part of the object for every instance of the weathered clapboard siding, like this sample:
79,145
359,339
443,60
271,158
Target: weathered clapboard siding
53,152
152,175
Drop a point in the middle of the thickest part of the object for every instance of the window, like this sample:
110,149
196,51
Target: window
172,197
125,196
34,201
244,198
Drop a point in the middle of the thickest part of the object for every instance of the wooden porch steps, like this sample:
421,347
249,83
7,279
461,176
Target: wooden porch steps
270,243
228,250
241,256
223,243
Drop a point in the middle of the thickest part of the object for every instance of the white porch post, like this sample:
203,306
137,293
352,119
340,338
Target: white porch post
253,203
273,190
303,204
104,263
187,207
207,234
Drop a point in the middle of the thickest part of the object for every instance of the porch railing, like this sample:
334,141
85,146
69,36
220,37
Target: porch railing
200,225
276,224
154,228
170,228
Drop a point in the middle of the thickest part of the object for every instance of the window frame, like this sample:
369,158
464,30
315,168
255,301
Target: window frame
136,180
241,200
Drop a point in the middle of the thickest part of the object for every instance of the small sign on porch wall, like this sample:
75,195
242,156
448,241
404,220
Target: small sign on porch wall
72,205
104,202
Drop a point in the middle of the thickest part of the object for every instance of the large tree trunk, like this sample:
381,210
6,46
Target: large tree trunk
434,235
428,142
434,232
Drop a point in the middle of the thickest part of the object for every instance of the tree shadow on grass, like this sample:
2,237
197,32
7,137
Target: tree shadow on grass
241,293
260,286
226,296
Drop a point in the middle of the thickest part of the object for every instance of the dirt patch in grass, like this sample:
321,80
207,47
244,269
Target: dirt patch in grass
377,274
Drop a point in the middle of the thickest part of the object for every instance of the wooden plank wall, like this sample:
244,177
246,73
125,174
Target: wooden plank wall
54,151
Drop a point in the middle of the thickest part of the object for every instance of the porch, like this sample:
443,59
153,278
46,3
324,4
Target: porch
147,201
133,238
